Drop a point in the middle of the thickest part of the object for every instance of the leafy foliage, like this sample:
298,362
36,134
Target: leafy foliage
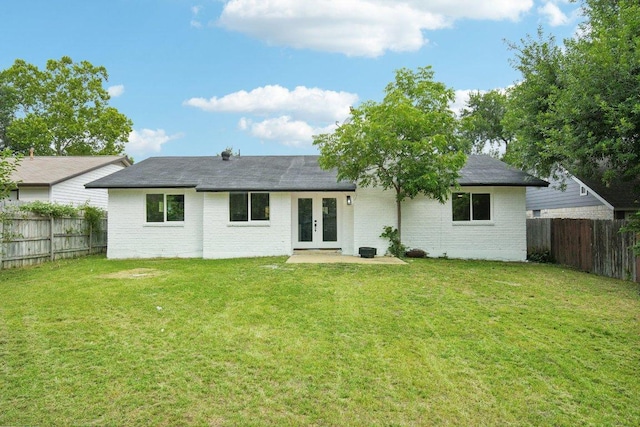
50,210
8,165
396,248
578,105
541,257
94,216
633,226
7,113
61,110
482,123
408,142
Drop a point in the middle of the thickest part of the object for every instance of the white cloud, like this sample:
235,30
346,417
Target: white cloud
553,14
289,117
293,133
302,103
148,141
115,91
358,27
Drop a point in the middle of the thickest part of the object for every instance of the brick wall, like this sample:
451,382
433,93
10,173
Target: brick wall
131,237
584,212
225,239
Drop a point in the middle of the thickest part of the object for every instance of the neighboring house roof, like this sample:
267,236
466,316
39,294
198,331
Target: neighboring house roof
45,171
620,195
278,173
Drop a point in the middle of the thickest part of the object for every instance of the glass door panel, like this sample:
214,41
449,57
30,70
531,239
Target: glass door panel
329,220
305,220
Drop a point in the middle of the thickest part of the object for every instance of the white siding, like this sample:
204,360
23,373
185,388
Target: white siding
225,239
32,194
72,191
131,237
428,225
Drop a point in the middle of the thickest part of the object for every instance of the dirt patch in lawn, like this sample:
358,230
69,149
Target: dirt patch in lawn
134,273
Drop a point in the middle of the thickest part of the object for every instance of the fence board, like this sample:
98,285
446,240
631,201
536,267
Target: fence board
596,246
30,239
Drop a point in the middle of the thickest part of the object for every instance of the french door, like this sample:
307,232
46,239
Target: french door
316,222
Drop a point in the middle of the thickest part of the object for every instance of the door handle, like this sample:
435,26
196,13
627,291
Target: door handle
315,225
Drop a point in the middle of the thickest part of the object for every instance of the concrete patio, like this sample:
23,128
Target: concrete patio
336,257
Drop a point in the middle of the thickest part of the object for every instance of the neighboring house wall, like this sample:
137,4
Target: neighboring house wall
429,225
32,194
72,191
130,236
225,239
585,212
553,197
574,202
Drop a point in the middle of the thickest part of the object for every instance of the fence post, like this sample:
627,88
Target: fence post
51,235
90,236
1,242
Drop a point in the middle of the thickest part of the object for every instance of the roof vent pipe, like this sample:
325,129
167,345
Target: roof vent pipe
226,155
31,151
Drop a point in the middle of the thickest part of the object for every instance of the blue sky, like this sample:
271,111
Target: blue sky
263,76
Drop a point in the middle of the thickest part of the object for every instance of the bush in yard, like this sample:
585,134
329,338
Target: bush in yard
416,253
540,256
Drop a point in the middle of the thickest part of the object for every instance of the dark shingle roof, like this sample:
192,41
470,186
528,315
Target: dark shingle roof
277,173
619,194
246,173
483,170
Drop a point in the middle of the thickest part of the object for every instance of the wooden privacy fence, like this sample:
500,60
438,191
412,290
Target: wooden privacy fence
596,246
32,239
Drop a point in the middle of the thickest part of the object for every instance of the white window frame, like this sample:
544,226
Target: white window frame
472,221
249,221
164,221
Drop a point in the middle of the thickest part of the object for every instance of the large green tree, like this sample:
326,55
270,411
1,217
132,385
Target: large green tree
578,105
482,122
62,109
7,113
408,142
8,164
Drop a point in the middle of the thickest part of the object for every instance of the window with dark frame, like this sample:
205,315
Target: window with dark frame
245,207
165,207
471,206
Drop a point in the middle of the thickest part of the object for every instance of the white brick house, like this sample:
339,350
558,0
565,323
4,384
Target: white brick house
205,207
62,179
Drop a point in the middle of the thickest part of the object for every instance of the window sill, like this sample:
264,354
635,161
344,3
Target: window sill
473,223
249,224
172,224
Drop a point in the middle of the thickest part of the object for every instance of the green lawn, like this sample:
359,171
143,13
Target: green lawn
261,342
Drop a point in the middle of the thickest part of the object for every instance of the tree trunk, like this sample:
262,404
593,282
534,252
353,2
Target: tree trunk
399,214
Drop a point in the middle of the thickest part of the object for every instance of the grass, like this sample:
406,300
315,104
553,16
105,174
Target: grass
260,342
